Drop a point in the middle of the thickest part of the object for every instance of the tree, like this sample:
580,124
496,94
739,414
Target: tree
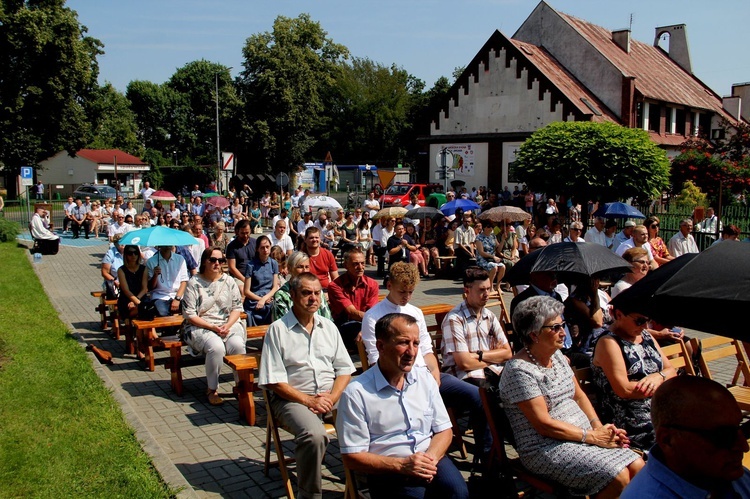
113,124
593,161
723,162
287,73
48,72
369,112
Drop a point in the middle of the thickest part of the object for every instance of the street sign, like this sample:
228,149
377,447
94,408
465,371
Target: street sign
444,159
27,175
282,179
227,161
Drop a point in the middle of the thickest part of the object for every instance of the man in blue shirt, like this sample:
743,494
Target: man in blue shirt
699,444
392,422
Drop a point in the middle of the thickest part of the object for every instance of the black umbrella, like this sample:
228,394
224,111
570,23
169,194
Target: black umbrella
706,292
571,261
423,212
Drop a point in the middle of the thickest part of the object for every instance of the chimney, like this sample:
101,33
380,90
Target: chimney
622,38
733,105
742,90
678,44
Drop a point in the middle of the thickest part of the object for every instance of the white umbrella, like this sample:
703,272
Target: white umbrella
316,202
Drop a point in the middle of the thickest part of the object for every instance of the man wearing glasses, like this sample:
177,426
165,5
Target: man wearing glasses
167,280
699,443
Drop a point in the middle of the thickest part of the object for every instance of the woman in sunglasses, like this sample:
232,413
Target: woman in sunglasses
658,246
558,434
628,366
212,305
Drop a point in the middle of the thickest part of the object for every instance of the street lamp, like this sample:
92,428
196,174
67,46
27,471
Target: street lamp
218,135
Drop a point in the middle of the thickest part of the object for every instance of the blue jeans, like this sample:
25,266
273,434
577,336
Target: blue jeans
447,483
162,307
462,395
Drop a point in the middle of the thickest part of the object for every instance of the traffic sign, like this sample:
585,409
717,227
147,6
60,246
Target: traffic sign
27,175
227,161
444,159
282,179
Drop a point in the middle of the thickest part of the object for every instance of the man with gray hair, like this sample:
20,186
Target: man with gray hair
596,234
699,443
305,367
683,242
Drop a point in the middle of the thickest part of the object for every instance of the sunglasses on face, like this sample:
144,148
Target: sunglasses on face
640,321
556,327
213,259
722,437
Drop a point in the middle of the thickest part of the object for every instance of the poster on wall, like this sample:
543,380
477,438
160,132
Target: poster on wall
464,159
510,152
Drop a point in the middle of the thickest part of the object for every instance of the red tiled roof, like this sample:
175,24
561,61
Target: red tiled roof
656,75
564,81
106,157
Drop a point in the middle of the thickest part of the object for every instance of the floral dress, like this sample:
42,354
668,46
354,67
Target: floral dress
213,301
489,243
585,469
659,248
633,415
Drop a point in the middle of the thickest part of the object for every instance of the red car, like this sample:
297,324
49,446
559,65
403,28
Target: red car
400,194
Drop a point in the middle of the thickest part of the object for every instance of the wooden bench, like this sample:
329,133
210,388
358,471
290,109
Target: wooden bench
147,339
108,313
245,365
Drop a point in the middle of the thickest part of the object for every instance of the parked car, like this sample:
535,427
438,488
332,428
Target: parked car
95,191
400,194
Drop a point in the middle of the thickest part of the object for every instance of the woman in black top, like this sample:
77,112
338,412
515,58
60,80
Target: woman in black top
133,282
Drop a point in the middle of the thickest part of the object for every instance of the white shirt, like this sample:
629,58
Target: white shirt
285,243
302,226
146,193
39,231
622,248
595,236
385,235
118,228
307,362
371,204
173,273
276,219
680,245
580,240
295,200
386,307
377,234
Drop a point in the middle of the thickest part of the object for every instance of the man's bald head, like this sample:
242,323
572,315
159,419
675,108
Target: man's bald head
697,424
537,243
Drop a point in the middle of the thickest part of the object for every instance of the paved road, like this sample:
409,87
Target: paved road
205,450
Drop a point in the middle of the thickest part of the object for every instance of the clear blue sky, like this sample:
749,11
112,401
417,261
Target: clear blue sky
150,39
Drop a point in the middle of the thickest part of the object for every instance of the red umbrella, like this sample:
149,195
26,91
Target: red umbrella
219,201
162,196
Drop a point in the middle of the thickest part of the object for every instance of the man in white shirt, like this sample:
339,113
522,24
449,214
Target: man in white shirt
303,224
596,234
280,238
464,243
118,227
66,211
295,197
639,240
147,190
283,215
403,279
574,234
168,277
305,368
625,234
371,204
683,242
708,225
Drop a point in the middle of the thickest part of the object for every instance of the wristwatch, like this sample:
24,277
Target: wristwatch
480,354
178,298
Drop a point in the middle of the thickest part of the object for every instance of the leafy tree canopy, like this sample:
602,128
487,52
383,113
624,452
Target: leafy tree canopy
287,73
48,72
593,161
113,123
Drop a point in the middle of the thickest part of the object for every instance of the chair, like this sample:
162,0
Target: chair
679,357
717,347
511,467
585,380
272,431
362,352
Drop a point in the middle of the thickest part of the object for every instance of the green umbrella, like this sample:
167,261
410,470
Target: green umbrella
210,195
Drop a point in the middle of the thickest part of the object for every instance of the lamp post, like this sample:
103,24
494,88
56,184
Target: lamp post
218,134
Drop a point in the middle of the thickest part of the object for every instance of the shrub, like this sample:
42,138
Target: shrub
8,230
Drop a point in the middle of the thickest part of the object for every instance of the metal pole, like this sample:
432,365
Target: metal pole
218,144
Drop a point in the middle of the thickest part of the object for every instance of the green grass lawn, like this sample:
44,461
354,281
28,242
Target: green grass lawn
61,432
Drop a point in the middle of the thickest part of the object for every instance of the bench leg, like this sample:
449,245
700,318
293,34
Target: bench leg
147,348
114,315
245,395
102,309
175,355
129,339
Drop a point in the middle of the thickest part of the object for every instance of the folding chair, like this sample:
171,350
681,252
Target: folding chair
272,431
511,468
718,347
679,357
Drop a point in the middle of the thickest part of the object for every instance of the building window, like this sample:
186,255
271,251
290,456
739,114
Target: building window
680,121
704,125
671,120
654,117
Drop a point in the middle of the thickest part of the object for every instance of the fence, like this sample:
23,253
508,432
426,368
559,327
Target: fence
16,211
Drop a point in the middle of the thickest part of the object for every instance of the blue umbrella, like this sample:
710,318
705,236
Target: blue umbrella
158,236
618,210
450,207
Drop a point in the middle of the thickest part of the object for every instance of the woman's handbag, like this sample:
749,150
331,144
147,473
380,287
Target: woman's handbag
147,310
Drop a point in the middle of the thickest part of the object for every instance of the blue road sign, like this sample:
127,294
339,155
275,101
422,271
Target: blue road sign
27,172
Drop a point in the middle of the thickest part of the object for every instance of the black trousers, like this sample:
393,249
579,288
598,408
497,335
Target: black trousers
77,228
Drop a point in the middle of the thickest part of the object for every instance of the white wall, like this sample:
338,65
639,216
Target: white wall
62,169
472,167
